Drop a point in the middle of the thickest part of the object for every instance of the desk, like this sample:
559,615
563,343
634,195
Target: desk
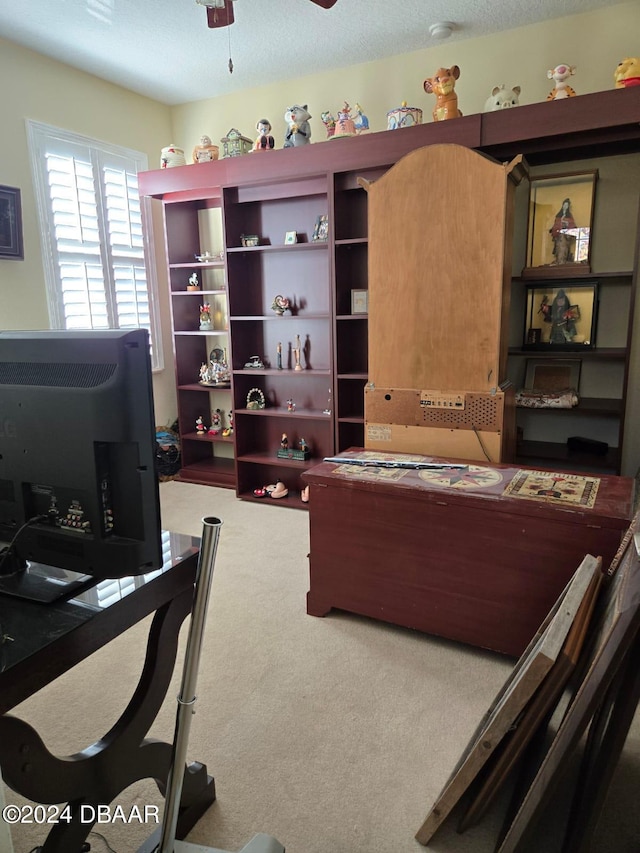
455,556
47,640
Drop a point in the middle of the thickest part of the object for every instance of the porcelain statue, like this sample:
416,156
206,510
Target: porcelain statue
205,151
560,74
345,125
628,73
329,122
264,140
502,98
359,119
172,156
403,116
443,86
298,127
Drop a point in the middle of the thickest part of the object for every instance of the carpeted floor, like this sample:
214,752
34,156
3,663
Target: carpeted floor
334,735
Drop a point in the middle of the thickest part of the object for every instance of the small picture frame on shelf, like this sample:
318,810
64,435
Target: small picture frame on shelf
552,375
321,229
561,316
359,301
560,225
290,237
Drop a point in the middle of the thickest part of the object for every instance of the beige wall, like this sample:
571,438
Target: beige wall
594,42
48,91
41,89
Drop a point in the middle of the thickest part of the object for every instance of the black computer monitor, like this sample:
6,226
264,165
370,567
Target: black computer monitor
78,486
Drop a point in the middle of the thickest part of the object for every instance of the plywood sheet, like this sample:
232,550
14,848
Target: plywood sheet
439,270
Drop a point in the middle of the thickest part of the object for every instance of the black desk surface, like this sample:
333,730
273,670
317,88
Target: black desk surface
38,642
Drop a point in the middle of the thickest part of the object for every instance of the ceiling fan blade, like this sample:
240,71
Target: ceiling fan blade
326,4
220,17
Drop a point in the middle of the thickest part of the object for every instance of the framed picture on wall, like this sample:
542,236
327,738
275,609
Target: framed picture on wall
11,246
561,316
560,225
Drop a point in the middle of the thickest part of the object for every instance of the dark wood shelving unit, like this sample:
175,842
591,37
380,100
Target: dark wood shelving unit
584,416
286,190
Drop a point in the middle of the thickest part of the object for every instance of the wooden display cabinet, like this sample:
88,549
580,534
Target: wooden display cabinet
351,260
603,365
257,274
193,228
286,191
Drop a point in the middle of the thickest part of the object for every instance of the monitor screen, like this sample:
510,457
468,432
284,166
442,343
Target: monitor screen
78,486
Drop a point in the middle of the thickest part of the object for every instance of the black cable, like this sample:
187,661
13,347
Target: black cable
9,551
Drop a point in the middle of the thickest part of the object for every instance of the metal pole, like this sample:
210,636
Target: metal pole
187,697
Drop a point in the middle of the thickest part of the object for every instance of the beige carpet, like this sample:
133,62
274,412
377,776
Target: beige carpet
335,735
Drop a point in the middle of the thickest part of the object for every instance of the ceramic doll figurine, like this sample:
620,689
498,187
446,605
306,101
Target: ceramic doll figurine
329,122
200,426
360,120
443,86
628,73
298,127
205,151
284,442
279,355
345,125
205,317
264,140
560,74
563,240
296,353
216,423
502,98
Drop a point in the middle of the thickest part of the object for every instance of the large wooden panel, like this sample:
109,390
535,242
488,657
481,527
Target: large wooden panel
438,252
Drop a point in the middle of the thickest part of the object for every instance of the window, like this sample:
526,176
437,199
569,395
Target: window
93,241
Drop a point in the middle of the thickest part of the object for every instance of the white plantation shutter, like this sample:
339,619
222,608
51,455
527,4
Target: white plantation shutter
93,239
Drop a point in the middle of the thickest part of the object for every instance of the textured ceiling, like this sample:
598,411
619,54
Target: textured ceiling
164,49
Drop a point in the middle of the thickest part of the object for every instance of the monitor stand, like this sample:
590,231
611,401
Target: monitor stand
46,584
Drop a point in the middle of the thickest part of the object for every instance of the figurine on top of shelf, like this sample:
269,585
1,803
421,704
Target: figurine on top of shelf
200,429
628,73
205,317
443,86
284,442
234,144
296,353
345,125
560,74
403,116
205,151
291,406
328,120
298,127
359,119
193,284
279,355
172,156
502,98
280,305
264,140
216,422
564,240
228,431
